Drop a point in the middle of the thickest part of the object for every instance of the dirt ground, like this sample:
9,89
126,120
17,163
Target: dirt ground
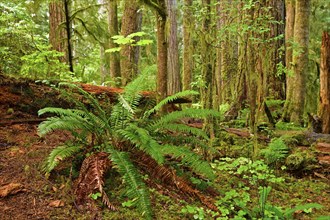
27,194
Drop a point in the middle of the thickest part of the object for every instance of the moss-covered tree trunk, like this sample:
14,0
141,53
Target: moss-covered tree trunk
289,28
187,45
113,30
325,83
300,61
129,25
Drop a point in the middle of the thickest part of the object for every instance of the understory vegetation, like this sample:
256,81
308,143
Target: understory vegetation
128,150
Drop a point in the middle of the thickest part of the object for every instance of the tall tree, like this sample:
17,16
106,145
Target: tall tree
300,61
325,83
173,66
187,45
129,25
289,28
57,31
113,30
160,7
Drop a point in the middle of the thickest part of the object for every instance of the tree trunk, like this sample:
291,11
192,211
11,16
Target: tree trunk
300,61
173,85
325,83
68,34
161,58
289,27
127,54
57,32
113,30
187,45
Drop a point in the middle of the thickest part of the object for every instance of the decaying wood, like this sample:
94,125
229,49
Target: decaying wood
21,121
29,96
245,134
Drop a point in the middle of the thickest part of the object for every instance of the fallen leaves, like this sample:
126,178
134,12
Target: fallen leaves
11,189
56,203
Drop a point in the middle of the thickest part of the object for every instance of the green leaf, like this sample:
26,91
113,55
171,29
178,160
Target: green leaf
113,50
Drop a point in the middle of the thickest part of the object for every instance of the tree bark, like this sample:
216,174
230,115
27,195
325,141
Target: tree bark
300,61
57,32
161,58
289,28
173,85
129,25
113,30
187,45
325,83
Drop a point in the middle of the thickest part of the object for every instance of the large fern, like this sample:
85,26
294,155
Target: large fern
137,189
123,125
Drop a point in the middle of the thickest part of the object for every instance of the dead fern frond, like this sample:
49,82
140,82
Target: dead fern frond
91,178
169,178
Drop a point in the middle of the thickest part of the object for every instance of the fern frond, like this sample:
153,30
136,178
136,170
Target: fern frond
173,116
93,101
57,155
170,99
190,158
64,123
144,141
276,151
185,128
137,189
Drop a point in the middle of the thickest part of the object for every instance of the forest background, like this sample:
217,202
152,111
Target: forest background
263,64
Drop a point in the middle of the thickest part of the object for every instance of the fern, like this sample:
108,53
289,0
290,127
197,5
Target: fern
57,155
141,138
184,128
173,116
191,159
137,189
169,100
276,152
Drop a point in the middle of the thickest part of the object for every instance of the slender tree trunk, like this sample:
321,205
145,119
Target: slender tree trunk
300,61
113,30
161,55
173,84
187,45
57,32
127,54
325,83
68,34
289,28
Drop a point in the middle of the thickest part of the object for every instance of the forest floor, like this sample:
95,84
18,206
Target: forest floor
26,193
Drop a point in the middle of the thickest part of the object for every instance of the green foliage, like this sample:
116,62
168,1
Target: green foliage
196,212
256,172
288,126
137,189
96,129
276,152
18,36
301,160
45,64
269,211
129,40
234,203
59,154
